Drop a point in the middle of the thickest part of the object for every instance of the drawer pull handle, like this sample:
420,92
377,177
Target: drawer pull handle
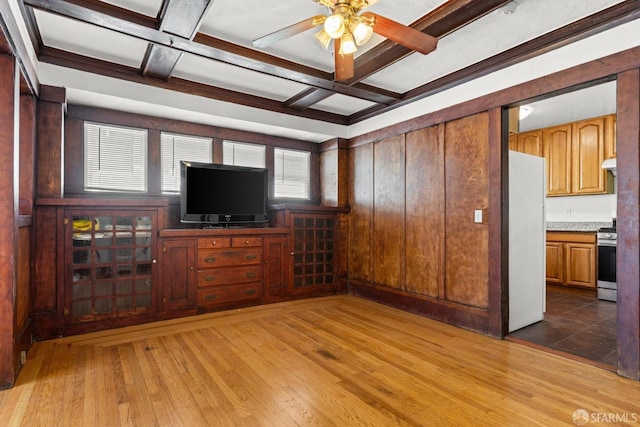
214,243
247,242
251,257
210,297
250,291
210,278
210,259
251,274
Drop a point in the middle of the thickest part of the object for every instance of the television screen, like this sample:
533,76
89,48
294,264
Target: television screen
220,194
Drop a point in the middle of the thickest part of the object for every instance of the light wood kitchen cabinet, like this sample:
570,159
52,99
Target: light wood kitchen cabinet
555,262
610,141
580,264
588,144
571,259
527,142
557,153
573,154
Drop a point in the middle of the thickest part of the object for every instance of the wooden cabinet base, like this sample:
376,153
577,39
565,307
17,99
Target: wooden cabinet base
217,295
571,259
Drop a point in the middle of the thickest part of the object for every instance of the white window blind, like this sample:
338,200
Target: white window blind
292,174
243,154
115,158
175,148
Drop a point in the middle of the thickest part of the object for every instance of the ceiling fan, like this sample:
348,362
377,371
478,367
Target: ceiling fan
348,28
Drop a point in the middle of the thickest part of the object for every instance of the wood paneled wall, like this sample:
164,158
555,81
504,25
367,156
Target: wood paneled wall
467,190
425,211
388,212
412,236
361,214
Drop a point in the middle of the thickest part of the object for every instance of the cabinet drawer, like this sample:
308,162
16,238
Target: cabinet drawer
214,242
242,242
225,294
228,276
571,236
208,258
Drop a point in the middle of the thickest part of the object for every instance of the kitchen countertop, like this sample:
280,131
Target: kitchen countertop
577,226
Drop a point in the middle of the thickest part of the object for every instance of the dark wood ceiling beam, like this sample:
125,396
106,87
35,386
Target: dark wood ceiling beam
95,66
601,21
181,18
307,98
266,64
117,12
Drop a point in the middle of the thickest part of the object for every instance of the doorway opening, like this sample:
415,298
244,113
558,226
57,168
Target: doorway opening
576,322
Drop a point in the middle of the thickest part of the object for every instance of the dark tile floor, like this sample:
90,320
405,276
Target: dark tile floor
575,323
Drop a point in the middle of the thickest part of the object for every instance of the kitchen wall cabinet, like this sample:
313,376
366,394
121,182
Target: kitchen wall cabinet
588,147
571,259
610,142
574,153
527,142
557,153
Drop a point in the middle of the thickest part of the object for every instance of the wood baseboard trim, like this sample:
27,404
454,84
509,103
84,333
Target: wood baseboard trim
471,318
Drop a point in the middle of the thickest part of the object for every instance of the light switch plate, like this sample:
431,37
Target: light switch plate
477,216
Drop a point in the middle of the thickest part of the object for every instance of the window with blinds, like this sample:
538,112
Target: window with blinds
115,158
243,154
175,148
291,174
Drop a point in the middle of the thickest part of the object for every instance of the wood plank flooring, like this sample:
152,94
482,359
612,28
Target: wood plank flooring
334,361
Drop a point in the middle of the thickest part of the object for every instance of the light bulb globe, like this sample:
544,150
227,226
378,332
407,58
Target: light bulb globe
334,26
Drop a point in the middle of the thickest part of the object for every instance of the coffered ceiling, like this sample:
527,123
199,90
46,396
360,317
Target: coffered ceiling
194,50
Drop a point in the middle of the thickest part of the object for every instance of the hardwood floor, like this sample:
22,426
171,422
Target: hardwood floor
340,361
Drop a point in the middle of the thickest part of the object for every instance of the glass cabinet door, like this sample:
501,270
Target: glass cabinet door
110,257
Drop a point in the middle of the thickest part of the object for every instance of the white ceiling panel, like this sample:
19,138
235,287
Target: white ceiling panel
341,104
88,40
227,76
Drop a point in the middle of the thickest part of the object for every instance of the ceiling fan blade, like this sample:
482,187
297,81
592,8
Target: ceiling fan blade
403,35
287,32
344,63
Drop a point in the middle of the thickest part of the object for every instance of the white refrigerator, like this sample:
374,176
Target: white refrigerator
527,236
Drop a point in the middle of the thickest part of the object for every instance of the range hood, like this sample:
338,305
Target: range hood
610,164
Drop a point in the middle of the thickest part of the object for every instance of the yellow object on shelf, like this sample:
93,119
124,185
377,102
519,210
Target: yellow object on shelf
85,224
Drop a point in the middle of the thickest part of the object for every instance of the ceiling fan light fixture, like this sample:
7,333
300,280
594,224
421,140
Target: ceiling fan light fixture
347,44
334,25
323,38
362,31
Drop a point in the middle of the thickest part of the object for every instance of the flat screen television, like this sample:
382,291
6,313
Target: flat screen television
222,195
